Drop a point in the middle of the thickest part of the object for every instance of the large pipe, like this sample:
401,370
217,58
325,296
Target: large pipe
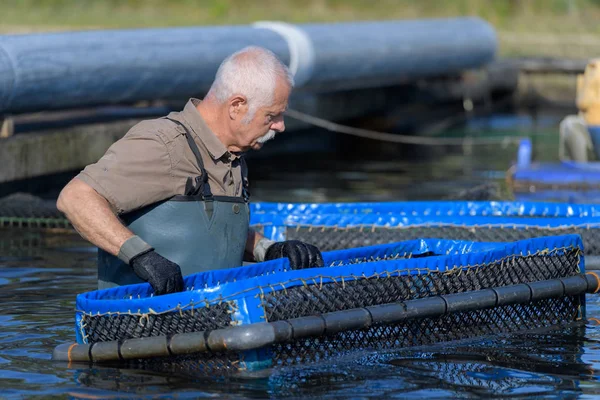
76,69
254,336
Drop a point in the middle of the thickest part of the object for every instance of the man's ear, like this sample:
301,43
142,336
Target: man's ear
238,106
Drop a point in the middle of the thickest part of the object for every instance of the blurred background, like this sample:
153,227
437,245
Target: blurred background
554,27
522,86
518,82
560,28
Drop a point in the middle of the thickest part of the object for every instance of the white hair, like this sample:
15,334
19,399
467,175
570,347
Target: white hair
252,72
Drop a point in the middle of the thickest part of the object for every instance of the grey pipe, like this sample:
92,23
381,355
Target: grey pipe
254,336
592,263
77,69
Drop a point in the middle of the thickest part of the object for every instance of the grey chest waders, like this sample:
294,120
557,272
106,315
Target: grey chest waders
198,231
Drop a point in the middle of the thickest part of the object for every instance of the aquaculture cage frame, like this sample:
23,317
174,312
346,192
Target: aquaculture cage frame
27,211
434,209
379,297
341,231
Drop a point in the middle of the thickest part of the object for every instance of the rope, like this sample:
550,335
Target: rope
397,138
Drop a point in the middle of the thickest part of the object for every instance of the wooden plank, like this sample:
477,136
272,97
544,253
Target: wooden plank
546,65
29,155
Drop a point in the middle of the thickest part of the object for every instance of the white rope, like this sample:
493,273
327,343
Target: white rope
397,138
300,46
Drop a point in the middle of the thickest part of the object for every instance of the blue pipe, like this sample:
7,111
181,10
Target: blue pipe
76,69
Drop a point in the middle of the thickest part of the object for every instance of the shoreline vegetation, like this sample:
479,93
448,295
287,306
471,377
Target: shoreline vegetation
553,28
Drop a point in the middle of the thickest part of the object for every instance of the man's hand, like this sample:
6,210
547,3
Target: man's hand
163,275
301,255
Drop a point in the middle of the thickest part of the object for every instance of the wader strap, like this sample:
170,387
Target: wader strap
245,183
194,185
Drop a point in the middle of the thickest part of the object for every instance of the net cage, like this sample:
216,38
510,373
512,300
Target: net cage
564,181
434,209
460,367
559,195
381,297
24,210
356,228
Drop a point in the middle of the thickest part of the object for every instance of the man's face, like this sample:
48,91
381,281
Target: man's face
267,121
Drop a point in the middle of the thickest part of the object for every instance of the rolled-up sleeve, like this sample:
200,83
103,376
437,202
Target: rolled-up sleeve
134,172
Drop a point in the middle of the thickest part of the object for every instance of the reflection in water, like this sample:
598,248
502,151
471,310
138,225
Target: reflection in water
539,364
42,272
525,364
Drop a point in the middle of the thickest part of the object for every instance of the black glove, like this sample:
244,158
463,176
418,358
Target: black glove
301,255
163,275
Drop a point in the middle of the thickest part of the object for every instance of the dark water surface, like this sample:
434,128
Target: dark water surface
42,272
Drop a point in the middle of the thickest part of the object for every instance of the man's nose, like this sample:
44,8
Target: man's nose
278,125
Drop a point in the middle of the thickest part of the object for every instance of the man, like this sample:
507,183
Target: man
579,133
178,185
574,140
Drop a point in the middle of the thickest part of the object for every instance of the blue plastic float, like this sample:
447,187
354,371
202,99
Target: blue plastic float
346,225
565,181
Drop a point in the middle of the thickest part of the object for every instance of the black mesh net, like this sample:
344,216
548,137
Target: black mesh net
201,364
316,298
472,368
25,210
458,326
469,369
331,238
102,328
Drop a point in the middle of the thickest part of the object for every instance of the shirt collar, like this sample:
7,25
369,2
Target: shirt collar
203,132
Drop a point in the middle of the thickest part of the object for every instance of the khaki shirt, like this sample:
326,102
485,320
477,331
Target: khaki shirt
153,161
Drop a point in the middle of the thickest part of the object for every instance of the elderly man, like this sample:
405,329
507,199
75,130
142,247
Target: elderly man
179,184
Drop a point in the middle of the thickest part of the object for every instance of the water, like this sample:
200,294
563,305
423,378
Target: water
42,272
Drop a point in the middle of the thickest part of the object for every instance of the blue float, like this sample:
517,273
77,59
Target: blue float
564,181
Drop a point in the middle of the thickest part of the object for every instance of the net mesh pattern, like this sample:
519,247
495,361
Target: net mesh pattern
104,328
27,211
388,257
335,296
200,364
332,238
425,331
311,300
315,299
